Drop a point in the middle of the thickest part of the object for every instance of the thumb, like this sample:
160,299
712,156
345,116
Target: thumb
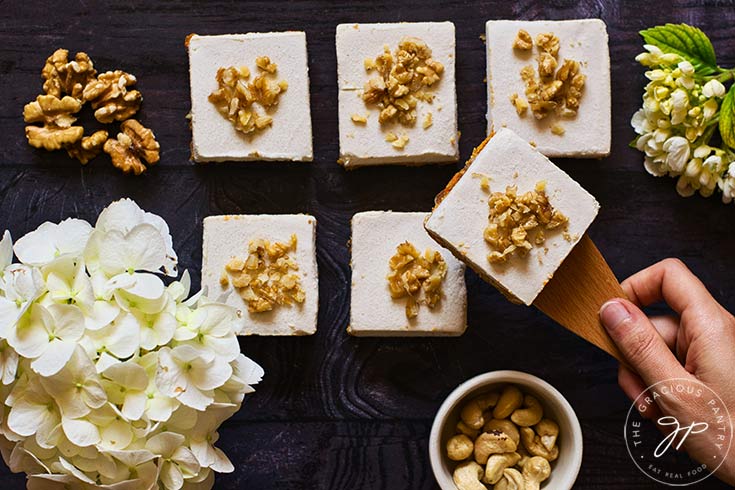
639,342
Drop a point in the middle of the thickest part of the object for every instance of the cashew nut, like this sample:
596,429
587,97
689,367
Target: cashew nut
467,476
533,445
548,431
504,425
536,470
463,428
496,464
494,442
459,447
471,413
510,399
512,480
531,414
487,400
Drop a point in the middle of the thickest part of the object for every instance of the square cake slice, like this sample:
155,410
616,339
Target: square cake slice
386,243
270,127
397,98
500,241
265,266
571,118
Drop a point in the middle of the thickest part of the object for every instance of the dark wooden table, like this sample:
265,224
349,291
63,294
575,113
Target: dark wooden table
334,411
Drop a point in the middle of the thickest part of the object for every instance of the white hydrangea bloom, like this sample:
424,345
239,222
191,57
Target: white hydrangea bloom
677,118
111,379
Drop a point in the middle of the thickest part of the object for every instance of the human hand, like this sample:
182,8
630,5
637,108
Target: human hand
697,343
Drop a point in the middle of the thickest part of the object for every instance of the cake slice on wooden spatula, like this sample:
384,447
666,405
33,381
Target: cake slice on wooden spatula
520,222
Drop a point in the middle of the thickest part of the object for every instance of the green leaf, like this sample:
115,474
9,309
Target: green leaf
727,118
688,42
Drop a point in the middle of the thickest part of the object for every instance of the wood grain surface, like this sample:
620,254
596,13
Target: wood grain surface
333,411
579,288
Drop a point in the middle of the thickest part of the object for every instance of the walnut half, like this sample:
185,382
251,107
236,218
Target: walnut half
134,144
88,147
64,77
57,116
111,98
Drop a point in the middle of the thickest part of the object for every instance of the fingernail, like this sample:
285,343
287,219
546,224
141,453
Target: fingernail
613,313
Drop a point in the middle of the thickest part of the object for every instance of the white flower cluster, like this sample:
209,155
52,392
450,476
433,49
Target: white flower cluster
676,122
110,378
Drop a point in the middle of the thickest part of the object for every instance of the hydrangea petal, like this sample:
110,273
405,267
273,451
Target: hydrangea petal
186,460
117,435
81,432
171,476
68,321
211,376
54,357
164,444
100,315
134,405
30,337
169,377
141,249
51,240
6,251
26,414
132,458
75,472
248,370
159,408
195,398
128,374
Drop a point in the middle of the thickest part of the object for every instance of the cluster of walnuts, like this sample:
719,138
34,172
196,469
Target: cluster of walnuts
68,85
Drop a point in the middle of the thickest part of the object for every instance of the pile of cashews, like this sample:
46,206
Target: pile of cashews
503,442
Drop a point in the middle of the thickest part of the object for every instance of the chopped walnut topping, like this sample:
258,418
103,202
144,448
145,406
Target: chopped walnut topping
111,98
88,147
548,42
235,97
264,63
267,277
550,89
428,120
513,216
56,116
359,119
64,77
417,277
402,80
520,104
546,65
523,41
133,144
224,280
558,129
397,142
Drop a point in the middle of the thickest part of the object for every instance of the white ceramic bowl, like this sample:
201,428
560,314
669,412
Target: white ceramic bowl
563,471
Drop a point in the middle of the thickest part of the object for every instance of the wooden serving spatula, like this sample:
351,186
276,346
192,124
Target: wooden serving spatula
580,286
